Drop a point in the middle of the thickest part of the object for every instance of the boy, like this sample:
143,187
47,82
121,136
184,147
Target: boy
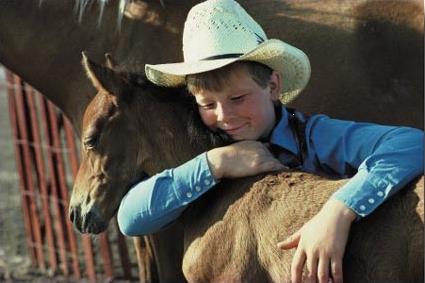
236,75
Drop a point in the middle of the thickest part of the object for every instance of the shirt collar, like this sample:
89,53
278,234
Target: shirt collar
282,135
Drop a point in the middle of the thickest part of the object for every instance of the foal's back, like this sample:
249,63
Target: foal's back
235,240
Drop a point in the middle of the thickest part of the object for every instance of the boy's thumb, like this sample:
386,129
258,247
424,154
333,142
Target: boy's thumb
290,242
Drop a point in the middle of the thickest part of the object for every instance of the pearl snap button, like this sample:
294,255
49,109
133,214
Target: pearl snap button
362,207
380,194
198,188
189,194
371,200
207,182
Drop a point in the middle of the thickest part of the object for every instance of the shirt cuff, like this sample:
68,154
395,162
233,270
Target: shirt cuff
361,194
195,177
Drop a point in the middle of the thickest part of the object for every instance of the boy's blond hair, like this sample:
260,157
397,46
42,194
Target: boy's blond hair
215,80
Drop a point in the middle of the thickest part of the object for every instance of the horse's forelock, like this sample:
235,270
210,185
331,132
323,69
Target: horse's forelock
179,95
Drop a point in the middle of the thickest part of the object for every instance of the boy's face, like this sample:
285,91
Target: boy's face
243,109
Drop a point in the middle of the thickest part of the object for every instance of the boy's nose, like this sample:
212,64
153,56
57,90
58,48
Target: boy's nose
223,113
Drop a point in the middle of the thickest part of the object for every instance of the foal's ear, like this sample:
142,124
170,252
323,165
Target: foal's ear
103,78
110,62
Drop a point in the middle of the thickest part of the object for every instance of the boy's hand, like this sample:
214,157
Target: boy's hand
321,244
242,159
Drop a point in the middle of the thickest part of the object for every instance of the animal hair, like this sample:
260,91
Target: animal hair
197,132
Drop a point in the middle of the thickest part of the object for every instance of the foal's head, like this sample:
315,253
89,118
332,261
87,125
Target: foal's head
130,129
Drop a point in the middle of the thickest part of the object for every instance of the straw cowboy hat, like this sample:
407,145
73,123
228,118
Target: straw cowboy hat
220,32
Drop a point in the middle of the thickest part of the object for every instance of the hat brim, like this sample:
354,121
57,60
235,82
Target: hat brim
290,61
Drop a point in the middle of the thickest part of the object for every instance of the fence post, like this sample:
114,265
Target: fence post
31,194
20,167
54,185
40,170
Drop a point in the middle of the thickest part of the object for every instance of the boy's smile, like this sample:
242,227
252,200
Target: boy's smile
242,108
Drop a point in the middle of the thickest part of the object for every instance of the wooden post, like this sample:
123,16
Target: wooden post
63,188
31,194
54,184
40,170
20,168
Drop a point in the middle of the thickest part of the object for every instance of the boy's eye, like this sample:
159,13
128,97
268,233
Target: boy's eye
207,106
239,97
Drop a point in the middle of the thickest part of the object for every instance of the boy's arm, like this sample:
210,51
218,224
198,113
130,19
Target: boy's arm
387,158
155,202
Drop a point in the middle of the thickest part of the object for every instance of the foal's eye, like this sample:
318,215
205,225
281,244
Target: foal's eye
91,142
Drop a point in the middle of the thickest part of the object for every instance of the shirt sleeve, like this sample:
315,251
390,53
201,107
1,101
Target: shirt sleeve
157,201
383,158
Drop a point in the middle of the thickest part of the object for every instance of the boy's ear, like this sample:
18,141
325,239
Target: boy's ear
275,85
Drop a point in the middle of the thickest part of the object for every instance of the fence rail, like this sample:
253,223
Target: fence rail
47,162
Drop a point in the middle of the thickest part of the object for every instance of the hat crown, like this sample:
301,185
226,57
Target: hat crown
217,28
220,32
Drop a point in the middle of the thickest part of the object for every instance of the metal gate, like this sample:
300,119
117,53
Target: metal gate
47,162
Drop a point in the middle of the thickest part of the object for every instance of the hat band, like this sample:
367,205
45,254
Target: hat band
224,56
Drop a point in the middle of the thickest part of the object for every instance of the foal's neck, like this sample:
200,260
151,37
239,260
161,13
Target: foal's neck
171,128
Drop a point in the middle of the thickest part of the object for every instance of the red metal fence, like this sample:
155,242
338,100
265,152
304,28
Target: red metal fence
47,162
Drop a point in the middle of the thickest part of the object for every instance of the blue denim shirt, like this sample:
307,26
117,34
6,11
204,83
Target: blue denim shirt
380,160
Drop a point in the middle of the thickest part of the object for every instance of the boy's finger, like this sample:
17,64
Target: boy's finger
336,270
297,266
311,264
290,242
323,270
278,166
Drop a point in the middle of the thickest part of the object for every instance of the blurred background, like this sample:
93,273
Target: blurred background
13,255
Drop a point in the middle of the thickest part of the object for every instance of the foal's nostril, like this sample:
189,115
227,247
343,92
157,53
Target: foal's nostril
74,214
89,216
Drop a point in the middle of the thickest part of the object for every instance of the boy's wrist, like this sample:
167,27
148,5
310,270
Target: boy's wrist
214,161
340,209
